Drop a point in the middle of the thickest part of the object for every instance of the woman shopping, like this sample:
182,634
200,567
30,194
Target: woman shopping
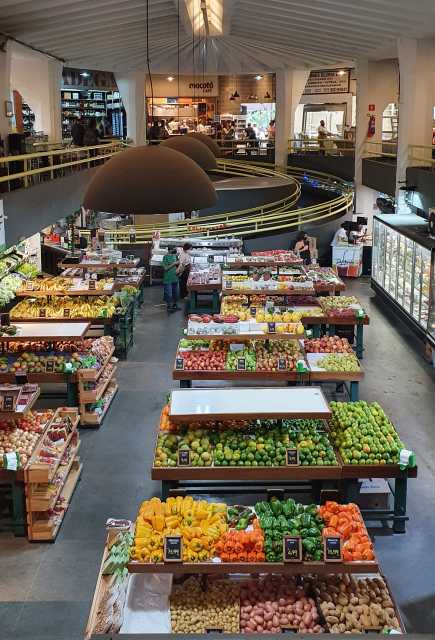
183,270
301,247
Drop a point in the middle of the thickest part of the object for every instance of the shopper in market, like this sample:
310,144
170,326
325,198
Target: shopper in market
77,132
322,134
90,135
301,247
170,280
341,235
154,132
183,269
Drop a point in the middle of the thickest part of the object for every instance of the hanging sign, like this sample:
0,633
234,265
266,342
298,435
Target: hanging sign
328,81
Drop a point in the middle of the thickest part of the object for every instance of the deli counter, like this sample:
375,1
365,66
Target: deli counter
403,269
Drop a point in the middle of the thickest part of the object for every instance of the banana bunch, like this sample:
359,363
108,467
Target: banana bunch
80,307
57,283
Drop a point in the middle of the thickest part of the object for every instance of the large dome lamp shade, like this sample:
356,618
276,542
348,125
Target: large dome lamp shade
194,149
211,144
148,180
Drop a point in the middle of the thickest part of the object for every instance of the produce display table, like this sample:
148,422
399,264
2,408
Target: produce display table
108,266
268,292
23,293
331,322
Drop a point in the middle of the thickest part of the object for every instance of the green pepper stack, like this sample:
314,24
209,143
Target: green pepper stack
279,518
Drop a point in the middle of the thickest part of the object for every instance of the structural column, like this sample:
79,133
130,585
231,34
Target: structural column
416,104
290,85
132,90
5,90
363,195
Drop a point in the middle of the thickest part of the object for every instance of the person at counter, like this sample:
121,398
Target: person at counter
183,270
170,279
322,134
341,235
358,235
301,247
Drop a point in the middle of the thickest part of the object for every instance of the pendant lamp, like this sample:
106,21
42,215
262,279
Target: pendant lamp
148,180
205,139
194,149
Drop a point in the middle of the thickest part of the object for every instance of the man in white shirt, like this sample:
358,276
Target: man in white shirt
340,236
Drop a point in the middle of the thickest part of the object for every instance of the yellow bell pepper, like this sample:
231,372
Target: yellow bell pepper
157,555
172,521
195,544
179,501
203,555
159,522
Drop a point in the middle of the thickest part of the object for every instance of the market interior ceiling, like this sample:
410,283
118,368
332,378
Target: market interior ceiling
244,36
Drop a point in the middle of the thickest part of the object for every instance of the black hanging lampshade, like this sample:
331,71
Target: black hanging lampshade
149,180
236,94
193,149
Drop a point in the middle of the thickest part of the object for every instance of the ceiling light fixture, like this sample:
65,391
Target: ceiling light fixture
85,74
170,78
232,96
258,77
341,72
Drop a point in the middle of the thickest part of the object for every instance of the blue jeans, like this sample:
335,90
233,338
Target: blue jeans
170,293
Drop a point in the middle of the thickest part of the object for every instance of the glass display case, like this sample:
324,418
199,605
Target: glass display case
403,268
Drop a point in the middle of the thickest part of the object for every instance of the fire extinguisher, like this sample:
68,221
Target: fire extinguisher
371,130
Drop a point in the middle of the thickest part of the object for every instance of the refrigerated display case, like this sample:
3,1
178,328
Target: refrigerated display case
403,268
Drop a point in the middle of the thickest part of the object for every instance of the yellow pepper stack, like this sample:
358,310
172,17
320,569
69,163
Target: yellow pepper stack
200,524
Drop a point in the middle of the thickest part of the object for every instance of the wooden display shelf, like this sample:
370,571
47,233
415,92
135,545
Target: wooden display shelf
92,419
268,292
354,471
256,474
39,472
109,266
39,498
328,287
239,266
336,376
236,403
39,378
335,320
183,374
34,331
92,375
23,293
100,590
41,529
94,395
17,414
288,568
204,288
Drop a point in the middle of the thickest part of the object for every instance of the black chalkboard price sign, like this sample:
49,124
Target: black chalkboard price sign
92,285
241,364
42,312
292,549
179,364
271,327
184,457
67,313
49,366
282,364
173,549
253,311
214,630
292,457
332,549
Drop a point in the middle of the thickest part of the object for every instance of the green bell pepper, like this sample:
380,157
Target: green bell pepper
288,507
309,544
276,507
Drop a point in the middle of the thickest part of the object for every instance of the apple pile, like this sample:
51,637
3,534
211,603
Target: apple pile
204,360
20,435
327,344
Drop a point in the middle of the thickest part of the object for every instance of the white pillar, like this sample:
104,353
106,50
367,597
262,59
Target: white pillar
5,91
417,100
290,85
362,101
54,84
132,90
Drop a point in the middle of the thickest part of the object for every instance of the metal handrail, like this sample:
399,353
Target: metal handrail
421,155
376,148
330,145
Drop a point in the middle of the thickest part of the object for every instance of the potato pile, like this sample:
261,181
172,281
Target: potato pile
352,606
268,605
194,610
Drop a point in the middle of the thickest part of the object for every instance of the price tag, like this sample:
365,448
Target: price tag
292,457
132,235
184,457
49,366
92,285
173,549
42,312
21,378
292,549
332,549
282,364
67,313
374,630
179,364
271,327
253,311
241,364
8,403
10,461
4,320
228,284
214,630
29,285
289,629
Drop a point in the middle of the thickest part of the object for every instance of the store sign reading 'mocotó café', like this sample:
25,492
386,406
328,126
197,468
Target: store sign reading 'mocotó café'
203,86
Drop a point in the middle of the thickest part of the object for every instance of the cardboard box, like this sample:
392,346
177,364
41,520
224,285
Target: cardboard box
374,493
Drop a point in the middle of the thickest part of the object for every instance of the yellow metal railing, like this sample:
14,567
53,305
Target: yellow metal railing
330,146
383,148
272,218
421,155
28,169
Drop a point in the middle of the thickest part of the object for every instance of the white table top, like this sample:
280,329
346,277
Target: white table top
44,330
251,403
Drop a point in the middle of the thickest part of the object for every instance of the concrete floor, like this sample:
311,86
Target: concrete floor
46,589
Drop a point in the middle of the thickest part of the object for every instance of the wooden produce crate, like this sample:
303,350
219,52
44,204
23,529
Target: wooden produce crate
90,418
93,395
93,374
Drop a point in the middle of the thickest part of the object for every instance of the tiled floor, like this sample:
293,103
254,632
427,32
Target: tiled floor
46,589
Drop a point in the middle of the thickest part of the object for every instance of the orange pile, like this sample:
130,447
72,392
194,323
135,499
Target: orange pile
345,520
